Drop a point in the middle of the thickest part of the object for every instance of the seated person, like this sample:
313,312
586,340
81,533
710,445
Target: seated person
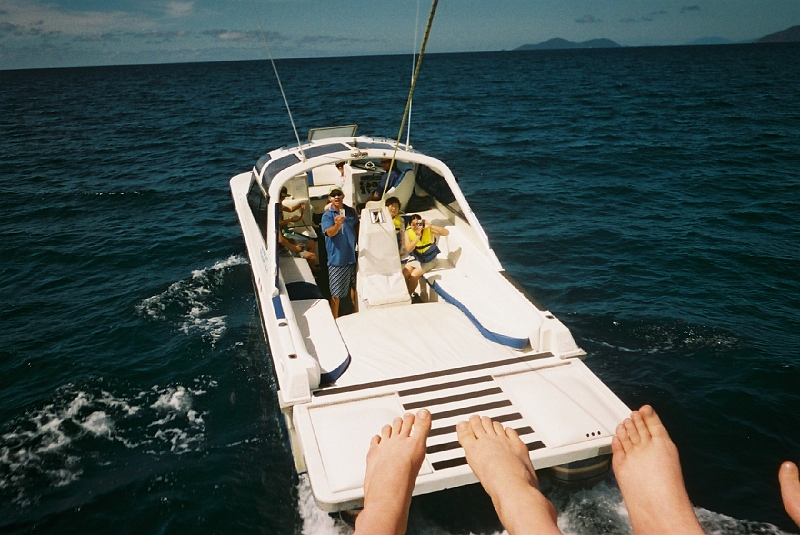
420,241
290,235
393,177
298,250
393,205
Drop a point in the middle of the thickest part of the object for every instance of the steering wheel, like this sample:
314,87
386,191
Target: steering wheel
370,165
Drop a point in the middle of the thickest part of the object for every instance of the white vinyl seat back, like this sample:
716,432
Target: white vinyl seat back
404,189
297,188
380,280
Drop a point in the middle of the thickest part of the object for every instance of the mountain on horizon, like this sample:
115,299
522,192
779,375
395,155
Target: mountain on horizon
558,43
789,35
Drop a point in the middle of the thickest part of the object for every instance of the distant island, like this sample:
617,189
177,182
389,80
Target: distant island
559,44
790,35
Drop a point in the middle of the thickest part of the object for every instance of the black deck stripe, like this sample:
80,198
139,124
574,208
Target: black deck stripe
429,375
452,429
536,445
450,399
445,446
470,410
449,463
458,461
445,386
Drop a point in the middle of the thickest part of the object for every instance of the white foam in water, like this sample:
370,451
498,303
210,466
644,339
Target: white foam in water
44,447
193,297
315,520
596,510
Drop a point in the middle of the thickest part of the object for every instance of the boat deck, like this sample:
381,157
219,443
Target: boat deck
526,391
408,340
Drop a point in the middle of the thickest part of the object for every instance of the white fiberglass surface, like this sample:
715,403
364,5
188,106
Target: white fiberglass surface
412,339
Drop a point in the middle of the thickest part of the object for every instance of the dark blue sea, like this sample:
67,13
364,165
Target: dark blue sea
648,196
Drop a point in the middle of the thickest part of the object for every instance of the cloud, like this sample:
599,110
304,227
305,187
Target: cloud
646,18
36,20
179,9
324,40
588,19
686,9
97,38
243,35
35,30
158,36
7,27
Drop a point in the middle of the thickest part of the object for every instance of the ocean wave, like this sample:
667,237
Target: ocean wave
50,446
189,302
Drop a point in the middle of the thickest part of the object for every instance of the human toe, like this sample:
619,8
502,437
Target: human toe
422,423
465,434
488,425
407,422
631,430
641,426
476,423
790,482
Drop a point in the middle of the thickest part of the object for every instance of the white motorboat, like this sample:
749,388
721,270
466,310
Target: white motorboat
473,342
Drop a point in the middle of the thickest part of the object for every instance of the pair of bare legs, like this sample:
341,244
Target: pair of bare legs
645,460
335,303
496,454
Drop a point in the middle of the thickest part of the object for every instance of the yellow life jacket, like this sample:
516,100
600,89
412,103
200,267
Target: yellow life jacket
426,249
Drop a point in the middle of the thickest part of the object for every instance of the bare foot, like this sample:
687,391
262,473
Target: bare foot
648,471
393,462
790,490
502,464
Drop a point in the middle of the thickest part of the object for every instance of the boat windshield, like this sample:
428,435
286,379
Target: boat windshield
273,167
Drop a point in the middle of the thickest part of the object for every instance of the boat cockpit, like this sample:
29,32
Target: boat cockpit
468,279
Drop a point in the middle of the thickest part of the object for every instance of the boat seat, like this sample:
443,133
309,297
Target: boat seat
322,338
380,280
298,278
475,300
403,190
500,312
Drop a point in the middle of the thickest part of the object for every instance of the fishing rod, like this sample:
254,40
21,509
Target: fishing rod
411,91
280,85
413,61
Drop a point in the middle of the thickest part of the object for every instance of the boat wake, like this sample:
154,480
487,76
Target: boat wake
85,425
190,302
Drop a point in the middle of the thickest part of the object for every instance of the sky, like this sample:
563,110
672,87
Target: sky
67,33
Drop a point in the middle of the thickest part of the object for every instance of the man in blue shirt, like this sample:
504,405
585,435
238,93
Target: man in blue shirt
340,225
393,177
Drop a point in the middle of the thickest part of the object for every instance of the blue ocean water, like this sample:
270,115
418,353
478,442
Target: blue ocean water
649,197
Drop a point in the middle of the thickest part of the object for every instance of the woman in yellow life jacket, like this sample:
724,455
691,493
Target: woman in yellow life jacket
393,205
420,242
